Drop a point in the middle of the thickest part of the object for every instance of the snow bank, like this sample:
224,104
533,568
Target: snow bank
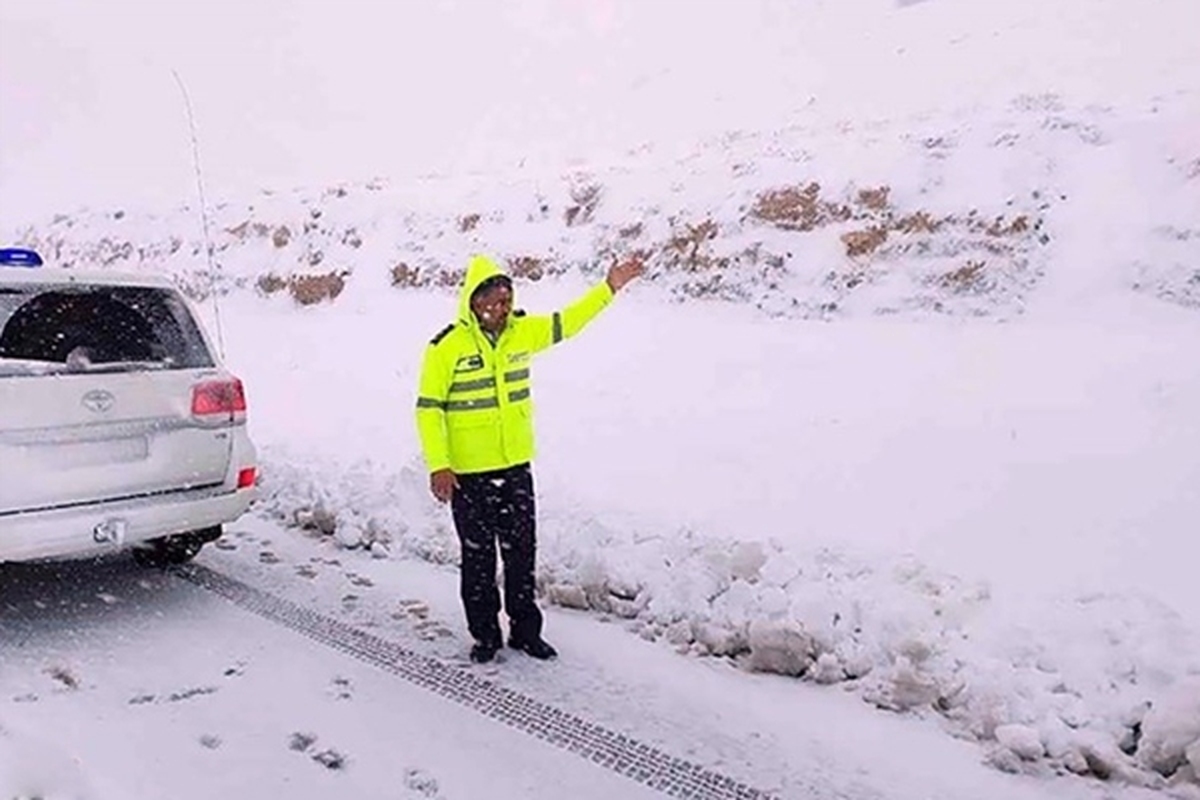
1100,685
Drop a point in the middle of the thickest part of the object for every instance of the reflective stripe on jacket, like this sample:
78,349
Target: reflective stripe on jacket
474,409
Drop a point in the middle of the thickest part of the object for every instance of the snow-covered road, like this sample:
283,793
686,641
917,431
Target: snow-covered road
122,683
155,688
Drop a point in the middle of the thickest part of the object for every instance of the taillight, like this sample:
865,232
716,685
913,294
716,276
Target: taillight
219,401
246,478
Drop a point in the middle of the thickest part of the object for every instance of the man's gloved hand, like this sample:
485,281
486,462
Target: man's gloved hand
443,483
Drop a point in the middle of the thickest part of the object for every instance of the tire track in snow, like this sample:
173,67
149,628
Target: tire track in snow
608,749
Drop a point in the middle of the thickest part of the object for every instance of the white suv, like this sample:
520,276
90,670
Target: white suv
118,425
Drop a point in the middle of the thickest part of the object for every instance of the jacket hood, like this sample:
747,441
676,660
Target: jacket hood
479,269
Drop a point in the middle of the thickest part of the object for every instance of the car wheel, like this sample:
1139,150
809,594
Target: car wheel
182,549
177,549
150,554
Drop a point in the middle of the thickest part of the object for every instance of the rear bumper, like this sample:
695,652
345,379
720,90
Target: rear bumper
71,532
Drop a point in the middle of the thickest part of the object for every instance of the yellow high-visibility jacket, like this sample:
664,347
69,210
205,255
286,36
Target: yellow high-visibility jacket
474,409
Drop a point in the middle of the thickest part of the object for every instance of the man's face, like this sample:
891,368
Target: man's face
492,307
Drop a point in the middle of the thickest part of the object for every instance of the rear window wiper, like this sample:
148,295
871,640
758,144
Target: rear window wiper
119,366
29,367
26,367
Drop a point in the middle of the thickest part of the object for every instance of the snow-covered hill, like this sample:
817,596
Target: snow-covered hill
958,215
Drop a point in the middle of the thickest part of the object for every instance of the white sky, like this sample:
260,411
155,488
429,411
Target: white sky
291,92
309,91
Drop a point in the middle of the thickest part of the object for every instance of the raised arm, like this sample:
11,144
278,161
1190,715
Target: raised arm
547,330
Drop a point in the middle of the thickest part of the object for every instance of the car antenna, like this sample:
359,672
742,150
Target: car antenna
208,246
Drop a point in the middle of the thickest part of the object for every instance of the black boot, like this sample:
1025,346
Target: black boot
537,647
483,652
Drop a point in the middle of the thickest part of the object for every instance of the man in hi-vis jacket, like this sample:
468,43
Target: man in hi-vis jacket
475,420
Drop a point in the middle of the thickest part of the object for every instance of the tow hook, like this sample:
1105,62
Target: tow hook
111,531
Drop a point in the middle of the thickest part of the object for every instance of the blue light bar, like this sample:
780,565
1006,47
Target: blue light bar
19,257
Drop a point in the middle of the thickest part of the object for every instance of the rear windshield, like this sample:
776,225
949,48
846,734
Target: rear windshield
55,329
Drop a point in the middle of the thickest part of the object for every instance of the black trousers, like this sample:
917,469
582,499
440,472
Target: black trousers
491,508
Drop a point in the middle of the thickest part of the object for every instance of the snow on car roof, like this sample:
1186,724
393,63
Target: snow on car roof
59,275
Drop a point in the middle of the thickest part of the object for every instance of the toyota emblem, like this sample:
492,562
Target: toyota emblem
99,400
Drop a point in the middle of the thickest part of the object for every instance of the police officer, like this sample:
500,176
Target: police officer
475,421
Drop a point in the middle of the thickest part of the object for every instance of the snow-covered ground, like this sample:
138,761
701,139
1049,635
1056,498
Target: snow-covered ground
133,685
127,684
911,386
